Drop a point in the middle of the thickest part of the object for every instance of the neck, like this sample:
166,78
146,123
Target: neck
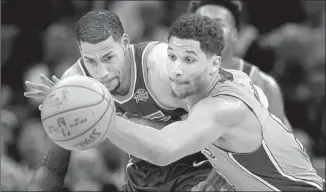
203,93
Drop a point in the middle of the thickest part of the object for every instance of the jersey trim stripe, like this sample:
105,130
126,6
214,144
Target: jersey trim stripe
253,175
144,57
247,69
279,169
253,69
81,67
241,62
131,92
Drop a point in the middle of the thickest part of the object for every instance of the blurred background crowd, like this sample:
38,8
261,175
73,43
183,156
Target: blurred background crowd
283,38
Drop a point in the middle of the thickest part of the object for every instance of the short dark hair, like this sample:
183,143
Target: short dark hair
199,28
99,25
232,5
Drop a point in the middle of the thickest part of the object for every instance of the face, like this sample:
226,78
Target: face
190,69
225,17
105,61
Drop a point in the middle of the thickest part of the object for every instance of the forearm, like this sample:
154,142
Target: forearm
149,123
50,175
138,140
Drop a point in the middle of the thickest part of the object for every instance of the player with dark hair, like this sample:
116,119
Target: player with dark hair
137,78
228,12
226,121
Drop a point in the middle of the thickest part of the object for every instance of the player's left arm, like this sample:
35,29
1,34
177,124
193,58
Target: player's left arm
207,121
275,98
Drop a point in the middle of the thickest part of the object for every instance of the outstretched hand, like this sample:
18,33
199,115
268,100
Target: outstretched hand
41,89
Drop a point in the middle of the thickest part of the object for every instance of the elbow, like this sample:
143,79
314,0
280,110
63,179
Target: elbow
163,155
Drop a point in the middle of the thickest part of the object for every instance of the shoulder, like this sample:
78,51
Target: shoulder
157,56
73,70
226,110
269,82
263,80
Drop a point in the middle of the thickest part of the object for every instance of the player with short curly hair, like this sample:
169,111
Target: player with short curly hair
249,146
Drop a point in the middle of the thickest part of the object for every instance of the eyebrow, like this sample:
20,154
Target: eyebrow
191,52
88,58
107,53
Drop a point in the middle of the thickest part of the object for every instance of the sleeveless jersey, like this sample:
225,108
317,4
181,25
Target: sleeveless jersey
279,164
140,101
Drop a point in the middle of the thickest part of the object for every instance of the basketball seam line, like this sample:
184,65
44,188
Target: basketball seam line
103,98
87,129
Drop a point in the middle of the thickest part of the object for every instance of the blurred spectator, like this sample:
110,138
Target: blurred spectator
129,14
8,34
261,20
32,143
12,174
6,95
88,172
26,50
60,44
300,66
152,13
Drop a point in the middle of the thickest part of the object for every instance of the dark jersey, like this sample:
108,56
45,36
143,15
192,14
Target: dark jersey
141,102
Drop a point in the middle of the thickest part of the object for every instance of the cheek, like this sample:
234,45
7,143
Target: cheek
169,66
90,68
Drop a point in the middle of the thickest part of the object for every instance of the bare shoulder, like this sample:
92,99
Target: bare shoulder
158,75
268,81
73,70
226,110
157,57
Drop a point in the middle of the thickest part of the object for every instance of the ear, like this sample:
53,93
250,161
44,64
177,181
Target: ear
216,63
80,49
125,40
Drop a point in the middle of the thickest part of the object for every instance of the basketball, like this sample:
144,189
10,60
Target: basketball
77,113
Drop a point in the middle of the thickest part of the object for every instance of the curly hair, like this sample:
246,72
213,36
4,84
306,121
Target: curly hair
97,26
199,28
232,5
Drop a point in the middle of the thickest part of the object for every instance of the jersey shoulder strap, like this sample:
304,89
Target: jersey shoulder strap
248,68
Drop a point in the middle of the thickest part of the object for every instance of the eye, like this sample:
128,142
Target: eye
91,61
107,59
189,60
172,57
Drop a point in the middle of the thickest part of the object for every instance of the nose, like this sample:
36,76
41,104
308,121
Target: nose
102,71
177,70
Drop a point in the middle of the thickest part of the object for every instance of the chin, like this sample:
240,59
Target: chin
113,88
182,94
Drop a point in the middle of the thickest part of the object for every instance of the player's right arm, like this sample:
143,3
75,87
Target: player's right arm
162,147
51,173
